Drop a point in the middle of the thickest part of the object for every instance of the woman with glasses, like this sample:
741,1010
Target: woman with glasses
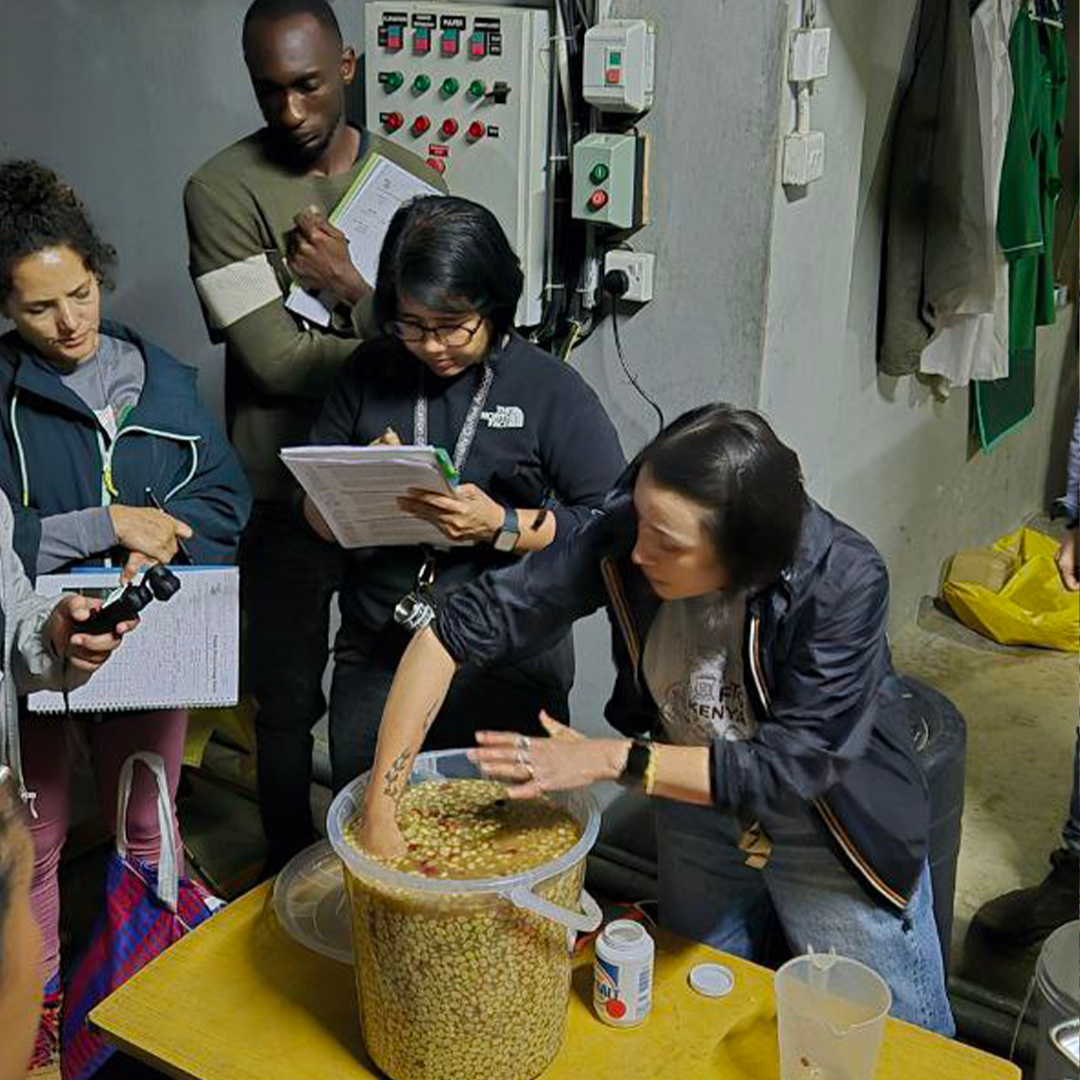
533,447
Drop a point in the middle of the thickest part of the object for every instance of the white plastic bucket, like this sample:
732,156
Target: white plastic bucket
1057,997
463,978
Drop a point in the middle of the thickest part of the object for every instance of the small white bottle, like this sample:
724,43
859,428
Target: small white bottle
623,973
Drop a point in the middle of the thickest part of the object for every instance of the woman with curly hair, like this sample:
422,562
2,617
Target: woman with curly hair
108,457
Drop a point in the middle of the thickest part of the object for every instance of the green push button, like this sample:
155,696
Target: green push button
477,89
599,173
614,58
392,80
450,87
421,83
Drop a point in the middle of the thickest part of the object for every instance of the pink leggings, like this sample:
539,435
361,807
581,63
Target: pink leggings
49,751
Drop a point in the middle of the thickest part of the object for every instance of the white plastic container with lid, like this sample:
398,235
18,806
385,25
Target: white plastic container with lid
623,973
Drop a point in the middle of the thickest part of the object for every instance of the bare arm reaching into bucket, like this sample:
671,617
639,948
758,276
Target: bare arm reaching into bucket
420,685
561,762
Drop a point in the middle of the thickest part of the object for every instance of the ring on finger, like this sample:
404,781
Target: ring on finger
524,742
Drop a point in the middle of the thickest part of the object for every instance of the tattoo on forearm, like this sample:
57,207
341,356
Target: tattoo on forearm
395,776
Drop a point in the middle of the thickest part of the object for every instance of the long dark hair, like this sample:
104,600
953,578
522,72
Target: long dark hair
38,211
730,462
448,254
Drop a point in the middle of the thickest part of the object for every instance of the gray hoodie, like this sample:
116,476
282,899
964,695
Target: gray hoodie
28,662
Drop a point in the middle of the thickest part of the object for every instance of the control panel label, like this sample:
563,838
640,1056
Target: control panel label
395,18
452,22
493,131
424,19
494,43
491,25
438,150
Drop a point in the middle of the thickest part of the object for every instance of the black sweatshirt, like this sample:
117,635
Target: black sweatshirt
542,434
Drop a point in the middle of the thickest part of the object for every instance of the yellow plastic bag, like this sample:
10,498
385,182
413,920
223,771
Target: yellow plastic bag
1031,608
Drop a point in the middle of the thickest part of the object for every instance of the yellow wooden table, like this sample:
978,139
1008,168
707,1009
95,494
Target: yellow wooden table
238,999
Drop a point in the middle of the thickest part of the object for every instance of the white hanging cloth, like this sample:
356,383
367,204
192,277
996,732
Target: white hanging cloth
971,343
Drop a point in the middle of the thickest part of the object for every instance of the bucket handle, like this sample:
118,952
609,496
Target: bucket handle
585,921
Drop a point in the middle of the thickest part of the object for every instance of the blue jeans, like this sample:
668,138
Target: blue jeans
709,894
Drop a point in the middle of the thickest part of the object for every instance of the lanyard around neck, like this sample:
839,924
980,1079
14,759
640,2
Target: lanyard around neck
468,428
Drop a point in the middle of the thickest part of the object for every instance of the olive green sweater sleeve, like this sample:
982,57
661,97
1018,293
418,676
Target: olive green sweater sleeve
242,287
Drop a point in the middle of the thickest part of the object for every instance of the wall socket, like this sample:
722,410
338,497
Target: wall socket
638,267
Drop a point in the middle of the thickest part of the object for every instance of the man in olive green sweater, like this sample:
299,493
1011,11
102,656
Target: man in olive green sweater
257,219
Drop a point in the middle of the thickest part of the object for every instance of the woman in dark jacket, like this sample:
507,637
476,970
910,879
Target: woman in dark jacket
108,457
535,451
755,677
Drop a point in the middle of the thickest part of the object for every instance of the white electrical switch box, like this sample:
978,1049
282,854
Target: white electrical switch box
808,57
467,87
804,158
608,186
638,268
619,63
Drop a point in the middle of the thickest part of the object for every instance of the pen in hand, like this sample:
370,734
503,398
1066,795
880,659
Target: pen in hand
152,500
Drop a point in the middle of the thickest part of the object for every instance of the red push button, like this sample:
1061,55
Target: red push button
392,121
449,46
421,40
393,38
438,164
598,200
612,76
475,131
449,128
420,124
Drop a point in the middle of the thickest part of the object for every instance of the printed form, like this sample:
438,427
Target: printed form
185,652
363,215
356,489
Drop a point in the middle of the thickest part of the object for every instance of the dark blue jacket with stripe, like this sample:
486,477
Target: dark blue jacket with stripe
833,734
55,456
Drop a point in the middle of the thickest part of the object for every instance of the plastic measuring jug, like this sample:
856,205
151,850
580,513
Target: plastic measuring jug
830,1014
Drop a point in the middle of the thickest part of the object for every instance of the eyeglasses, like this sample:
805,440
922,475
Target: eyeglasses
454,336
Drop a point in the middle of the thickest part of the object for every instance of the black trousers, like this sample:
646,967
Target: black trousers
288,579
506,697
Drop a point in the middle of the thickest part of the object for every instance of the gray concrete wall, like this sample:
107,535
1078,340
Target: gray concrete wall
712,171
882,453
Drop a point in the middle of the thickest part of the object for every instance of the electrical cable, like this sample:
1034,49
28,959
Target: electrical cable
615,291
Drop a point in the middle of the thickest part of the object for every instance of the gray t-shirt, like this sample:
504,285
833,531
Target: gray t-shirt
693,665
109,382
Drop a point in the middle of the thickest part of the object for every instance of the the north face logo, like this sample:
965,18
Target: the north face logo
504,416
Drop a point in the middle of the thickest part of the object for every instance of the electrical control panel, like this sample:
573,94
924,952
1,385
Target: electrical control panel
618,68
608,180
467,88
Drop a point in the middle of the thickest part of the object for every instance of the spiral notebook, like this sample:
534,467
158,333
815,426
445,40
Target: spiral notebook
185,653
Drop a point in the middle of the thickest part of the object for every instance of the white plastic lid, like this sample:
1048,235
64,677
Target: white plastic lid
712,980
311,904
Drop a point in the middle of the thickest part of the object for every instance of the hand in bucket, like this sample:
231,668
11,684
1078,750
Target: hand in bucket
379,834
561,762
